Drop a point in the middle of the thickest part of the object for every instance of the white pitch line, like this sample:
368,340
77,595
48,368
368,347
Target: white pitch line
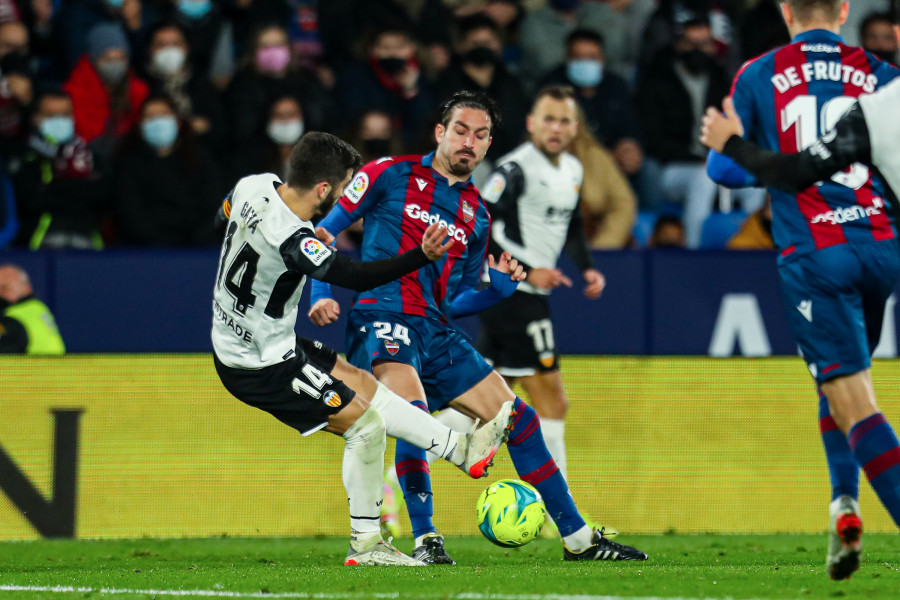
318,596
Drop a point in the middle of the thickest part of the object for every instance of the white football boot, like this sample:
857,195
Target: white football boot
378,552
484,443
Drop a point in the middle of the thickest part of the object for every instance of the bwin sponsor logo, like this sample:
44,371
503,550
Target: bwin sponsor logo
414,211
849,214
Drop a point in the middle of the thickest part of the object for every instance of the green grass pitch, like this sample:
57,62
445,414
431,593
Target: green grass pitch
770,567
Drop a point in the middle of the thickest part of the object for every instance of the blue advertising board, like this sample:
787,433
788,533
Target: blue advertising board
717,303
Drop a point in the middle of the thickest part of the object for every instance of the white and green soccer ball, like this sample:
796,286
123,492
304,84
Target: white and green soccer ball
510,513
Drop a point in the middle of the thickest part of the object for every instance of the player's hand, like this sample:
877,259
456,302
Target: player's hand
595,283
324,312
717,128
507,264
432,242
324,237
548,279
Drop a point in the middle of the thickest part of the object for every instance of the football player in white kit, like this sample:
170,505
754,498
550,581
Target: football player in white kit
533,197
269,250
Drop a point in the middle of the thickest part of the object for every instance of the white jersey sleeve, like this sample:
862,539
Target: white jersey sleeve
882,115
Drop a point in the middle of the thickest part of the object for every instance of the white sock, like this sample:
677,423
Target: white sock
456,421
362,474
579,541
408,423
554,431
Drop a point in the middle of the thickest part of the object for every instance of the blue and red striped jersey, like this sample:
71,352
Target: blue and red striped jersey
399,197
786,100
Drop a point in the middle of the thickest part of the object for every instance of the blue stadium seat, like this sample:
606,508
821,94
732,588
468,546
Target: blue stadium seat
718,227
643,227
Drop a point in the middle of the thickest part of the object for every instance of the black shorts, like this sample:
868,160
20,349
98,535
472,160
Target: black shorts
516,336
299,392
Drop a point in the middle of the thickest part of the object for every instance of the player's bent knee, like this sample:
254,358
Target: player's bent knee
367,436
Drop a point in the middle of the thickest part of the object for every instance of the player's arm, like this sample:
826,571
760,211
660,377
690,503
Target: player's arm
844,145
720,168
361,195
576,247
305,253
724,171
504,276
13,337
472,296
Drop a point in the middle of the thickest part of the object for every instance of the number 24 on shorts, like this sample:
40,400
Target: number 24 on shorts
383,332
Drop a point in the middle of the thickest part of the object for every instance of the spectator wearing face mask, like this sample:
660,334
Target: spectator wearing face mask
61,193
876,35
211,36
167,185
106,94
672,96
478,66
544,31
389,79
169,71
373,136
604,96
270,152
268,73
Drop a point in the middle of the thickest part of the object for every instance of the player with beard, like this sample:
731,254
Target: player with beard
402,331
269,250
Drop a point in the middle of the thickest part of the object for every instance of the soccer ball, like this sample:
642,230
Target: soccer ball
510,513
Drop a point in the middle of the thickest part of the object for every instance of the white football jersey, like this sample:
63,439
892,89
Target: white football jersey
532,202
882,114
267,253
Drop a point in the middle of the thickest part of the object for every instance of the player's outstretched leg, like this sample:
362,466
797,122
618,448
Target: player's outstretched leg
470,452
535,466
363,462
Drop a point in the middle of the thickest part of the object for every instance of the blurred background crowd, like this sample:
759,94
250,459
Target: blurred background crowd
125,122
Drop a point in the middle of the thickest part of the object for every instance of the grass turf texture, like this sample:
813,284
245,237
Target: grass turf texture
691,566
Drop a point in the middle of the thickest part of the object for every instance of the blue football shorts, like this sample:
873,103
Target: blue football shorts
447,363
835,300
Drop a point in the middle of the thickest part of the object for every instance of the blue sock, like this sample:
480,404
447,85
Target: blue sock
535,466
415,481
841,463
877,451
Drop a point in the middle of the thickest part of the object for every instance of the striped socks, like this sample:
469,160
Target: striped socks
842,464
877,451
535,466
415,481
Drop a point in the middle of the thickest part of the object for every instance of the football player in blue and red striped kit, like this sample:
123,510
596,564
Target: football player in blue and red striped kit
402,331
838,248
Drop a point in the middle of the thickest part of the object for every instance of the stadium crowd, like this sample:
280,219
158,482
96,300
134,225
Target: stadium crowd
125,122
